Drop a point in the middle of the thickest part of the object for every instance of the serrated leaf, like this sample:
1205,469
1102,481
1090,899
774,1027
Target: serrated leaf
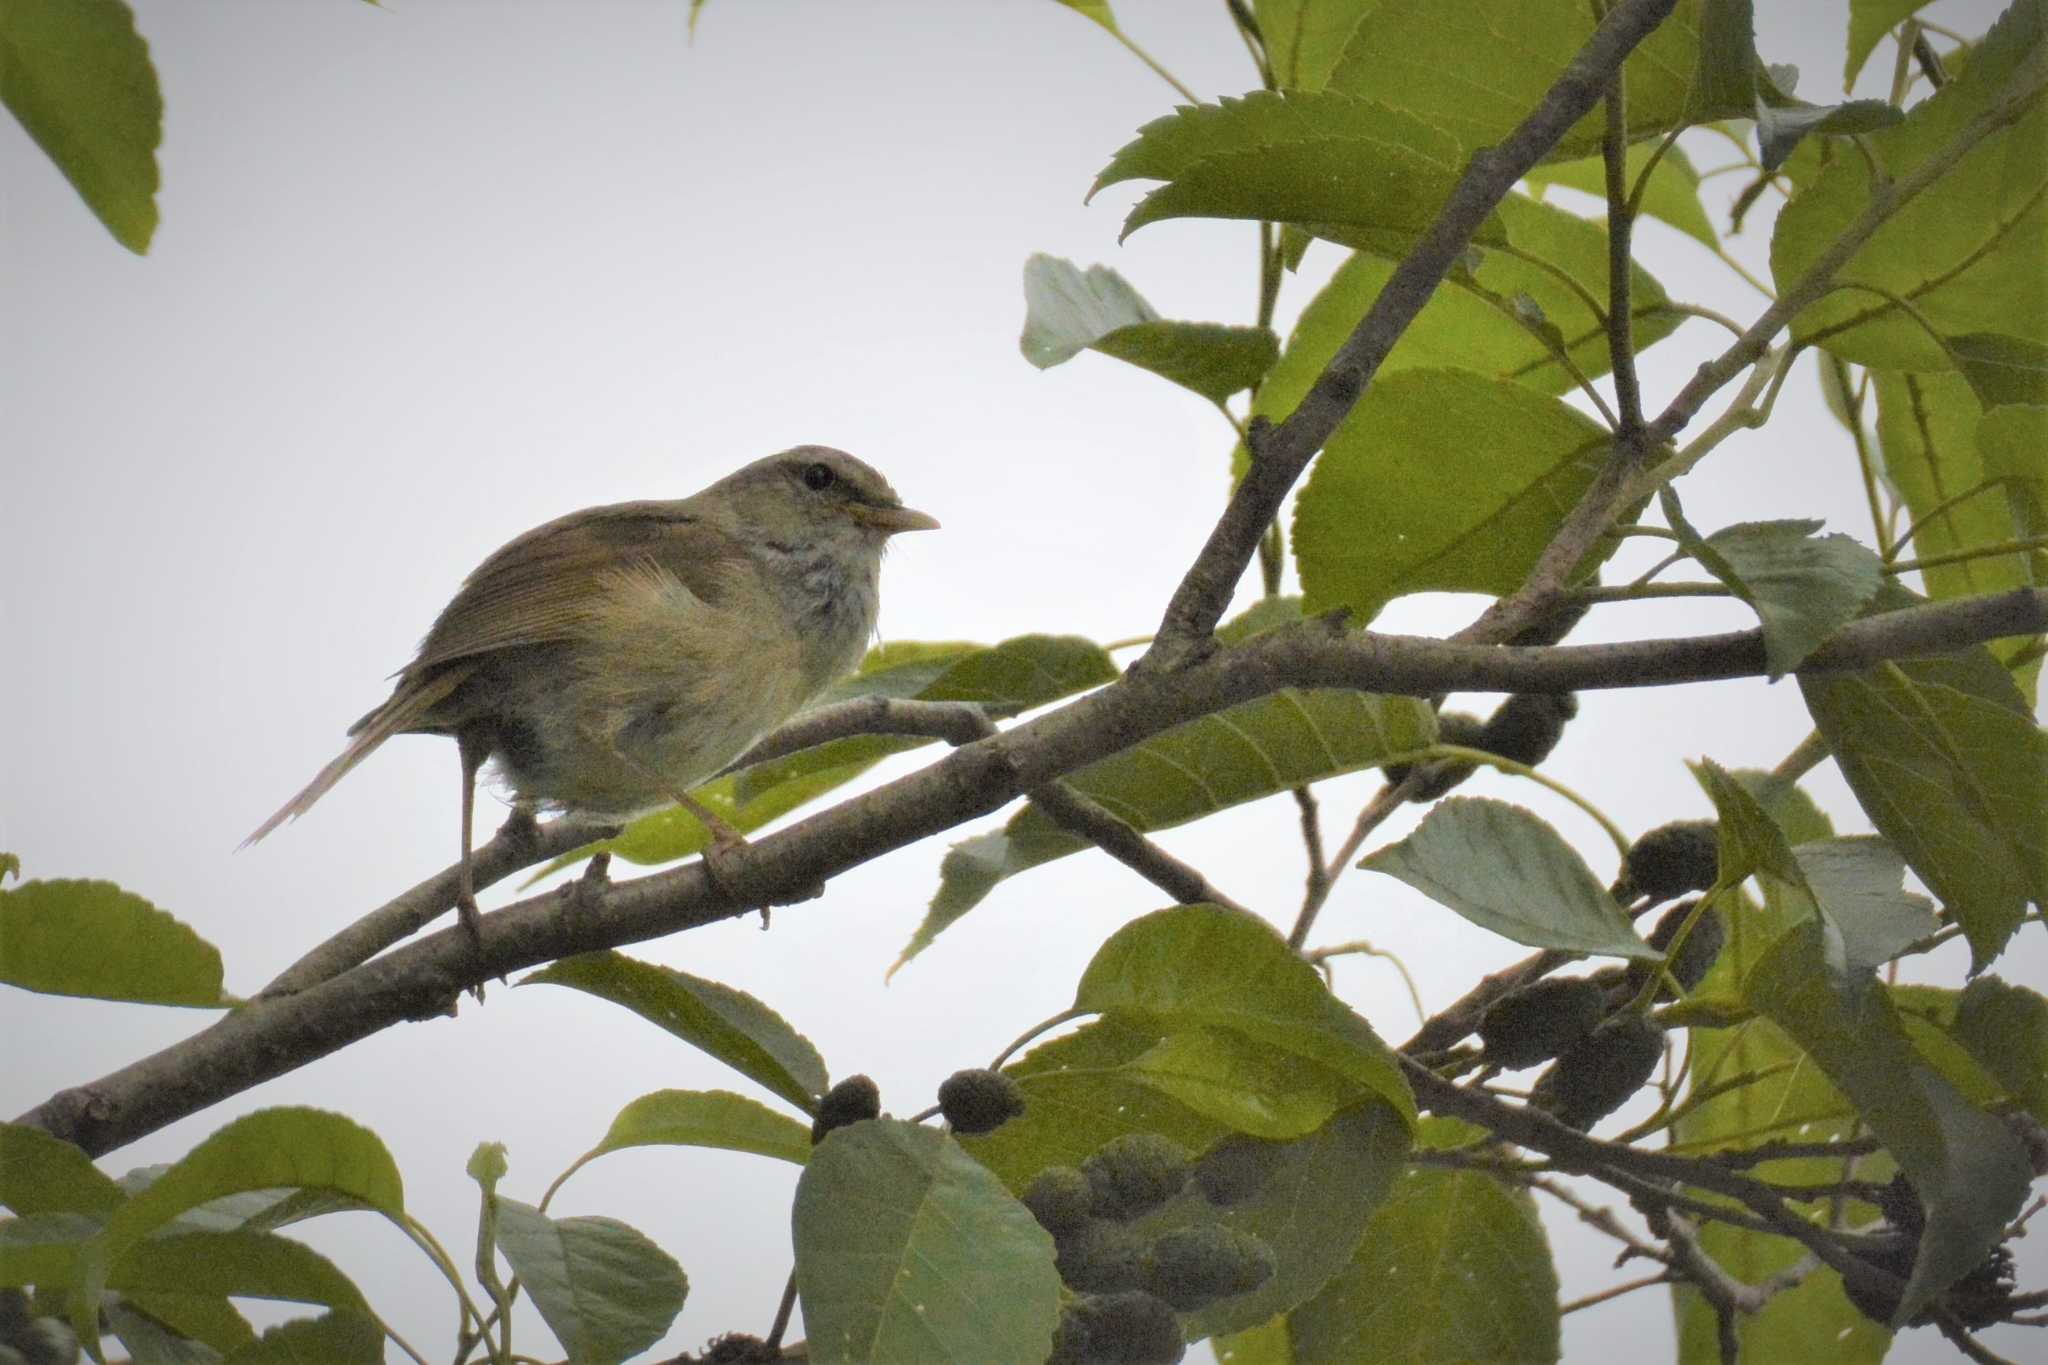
1949,766
604,1289
1253,750
1305,38
1440,480
1202,968
1335,164
909,1250
177,1329
91,938
1779,130
1454,1266
706,1118
729,1024
1672,195
1869,22
1966,253
1803,587
1475,69
1504,869
44,1174
342,1337
1069,310
1969,1169
2006,1028
78,77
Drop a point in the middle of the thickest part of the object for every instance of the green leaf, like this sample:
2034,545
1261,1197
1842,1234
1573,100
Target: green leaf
44,1174
1344,168
1969,1169
909,1250
1250,1086
1803,587
2002,369
1215,971
1304,38
1949,766
1311,1206
1504,869
1068,310
1857,882
1967,253
1672,195
1750,838
1930,432
1027,671
706,1118
1479,318
1253,750
1869,21
1270,1343
604,1289
1439,480
78,77
1778,131
1097,10
177,1329
248,1265
2006,1028
1475,70
1454,1266
729,1024
93,939
342,1337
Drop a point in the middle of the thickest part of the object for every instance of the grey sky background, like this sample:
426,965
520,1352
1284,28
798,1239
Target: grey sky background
432,274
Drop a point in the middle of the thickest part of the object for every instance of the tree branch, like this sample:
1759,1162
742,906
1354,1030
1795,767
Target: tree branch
1279,454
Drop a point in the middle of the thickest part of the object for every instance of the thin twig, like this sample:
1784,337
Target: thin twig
1621,350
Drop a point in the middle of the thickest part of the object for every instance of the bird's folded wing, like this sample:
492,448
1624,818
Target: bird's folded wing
551,583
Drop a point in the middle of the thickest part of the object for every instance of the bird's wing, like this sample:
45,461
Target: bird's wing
551,583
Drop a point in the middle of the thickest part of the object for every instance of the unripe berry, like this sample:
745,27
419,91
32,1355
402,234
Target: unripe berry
850,1101
1534,1023
1136,1173
979,1101
1596,1075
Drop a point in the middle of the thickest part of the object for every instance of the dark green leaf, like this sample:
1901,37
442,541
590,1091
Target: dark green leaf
1869,21
78,76
1778,131
1440,480
1304,38
1253,750
1751,839
343,1337
1333,163
1803,587
2006,1028
1970,1171
1068,310
177,1329
1504,869
249,1265
94,939
44,1174
2002,369
706,1118
729,1024
605,1290
908,1250
1967,253
1672,195
1944,758
1463,69
1454,1266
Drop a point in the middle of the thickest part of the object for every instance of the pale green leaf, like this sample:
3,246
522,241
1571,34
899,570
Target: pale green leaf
909,1250
706,1118
1869,21
604,1290
1672,195
1504,869
1304,38
44,1174
1069,310
1803,587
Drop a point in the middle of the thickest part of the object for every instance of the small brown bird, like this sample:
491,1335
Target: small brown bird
616,657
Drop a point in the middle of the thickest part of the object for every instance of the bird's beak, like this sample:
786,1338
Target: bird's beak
891,520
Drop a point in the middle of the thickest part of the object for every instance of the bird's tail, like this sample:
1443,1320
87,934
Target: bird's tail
407,707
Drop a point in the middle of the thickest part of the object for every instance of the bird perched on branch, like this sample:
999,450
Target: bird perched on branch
618,656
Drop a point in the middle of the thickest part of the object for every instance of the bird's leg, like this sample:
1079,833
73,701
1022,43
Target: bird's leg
475,748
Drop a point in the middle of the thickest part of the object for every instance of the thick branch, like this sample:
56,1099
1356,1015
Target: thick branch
1279,454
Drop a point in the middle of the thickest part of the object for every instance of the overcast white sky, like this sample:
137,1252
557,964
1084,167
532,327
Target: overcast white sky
432,274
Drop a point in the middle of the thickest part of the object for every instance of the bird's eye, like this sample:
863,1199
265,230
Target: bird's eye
819,477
